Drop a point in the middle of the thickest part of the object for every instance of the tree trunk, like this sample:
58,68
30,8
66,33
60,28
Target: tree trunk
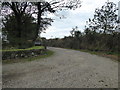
19,28
38,20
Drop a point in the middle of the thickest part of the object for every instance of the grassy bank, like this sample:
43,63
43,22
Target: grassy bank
112,55
48,53
34,47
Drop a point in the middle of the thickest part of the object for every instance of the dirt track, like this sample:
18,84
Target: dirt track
65,69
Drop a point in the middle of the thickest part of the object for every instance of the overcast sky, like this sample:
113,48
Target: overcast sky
78,17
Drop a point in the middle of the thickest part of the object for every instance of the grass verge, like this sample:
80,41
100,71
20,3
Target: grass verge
112,55
48,53
34,47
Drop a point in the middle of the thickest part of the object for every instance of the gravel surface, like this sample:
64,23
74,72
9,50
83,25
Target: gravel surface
65,69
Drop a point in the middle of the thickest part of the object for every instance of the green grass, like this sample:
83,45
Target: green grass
34,47
101,52
48,53
112,55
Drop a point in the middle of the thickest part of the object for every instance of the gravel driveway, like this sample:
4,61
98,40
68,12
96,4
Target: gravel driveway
65,69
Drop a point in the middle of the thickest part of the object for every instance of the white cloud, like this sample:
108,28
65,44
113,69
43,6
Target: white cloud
54,32
78,17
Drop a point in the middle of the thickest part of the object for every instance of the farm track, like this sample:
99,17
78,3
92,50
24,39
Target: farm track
65,69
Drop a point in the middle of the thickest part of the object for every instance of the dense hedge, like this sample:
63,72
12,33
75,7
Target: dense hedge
92,41
22,53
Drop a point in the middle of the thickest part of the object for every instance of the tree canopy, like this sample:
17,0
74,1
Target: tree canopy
105,19
19,9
